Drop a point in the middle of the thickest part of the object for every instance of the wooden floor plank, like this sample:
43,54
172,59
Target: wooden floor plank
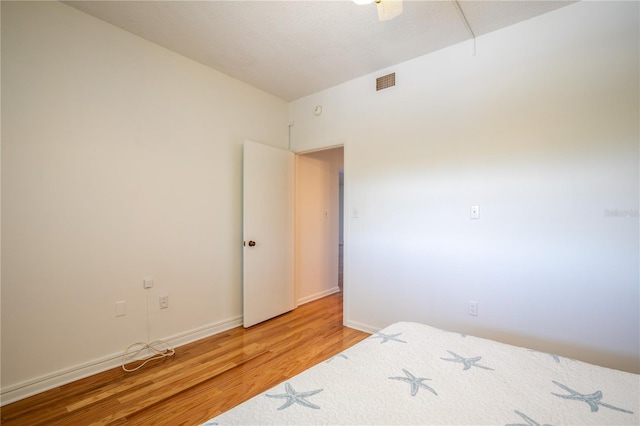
202,380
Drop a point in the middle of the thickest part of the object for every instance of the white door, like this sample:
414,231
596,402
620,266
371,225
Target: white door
268,232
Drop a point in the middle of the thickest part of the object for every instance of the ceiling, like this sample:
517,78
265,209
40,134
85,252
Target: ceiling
295,48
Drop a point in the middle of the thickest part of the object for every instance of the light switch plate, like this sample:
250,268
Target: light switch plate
475,212
121,308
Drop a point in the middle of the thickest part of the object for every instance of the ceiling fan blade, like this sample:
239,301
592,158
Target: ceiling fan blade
388,9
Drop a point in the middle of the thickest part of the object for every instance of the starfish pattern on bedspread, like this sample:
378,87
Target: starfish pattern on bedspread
593,399
555,357
529,420
415,382
294,397
336,356
468,362
387,337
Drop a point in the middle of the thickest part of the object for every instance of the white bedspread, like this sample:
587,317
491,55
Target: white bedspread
412,373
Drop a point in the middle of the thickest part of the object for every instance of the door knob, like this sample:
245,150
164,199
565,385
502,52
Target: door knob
252,243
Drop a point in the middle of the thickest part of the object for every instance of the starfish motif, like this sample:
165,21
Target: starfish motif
386,337
529,420
593,399
415,382
294,397
555,357
336,356
468,362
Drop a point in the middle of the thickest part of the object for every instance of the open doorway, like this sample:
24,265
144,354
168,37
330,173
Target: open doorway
318,224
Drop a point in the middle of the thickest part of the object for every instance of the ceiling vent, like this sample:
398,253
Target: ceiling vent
386,81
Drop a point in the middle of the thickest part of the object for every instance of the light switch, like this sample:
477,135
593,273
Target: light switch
475,212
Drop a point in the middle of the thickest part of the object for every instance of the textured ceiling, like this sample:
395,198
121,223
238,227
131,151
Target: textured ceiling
295,48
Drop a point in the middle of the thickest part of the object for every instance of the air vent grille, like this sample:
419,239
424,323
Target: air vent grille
386,81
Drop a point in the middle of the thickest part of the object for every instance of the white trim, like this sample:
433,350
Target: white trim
362,327
62,377
319,295
329,145
204,332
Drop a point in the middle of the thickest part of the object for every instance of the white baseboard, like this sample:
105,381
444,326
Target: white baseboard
318,295
203,332
362,327
43,383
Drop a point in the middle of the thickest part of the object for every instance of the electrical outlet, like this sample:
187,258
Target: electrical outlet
472,308
164,302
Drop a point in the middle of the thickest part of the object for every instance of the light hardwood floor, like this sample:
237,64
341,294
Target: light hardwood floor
202,380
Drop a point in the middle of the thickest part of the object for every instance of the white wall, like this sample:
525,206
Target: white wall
317,223
540,129
120,160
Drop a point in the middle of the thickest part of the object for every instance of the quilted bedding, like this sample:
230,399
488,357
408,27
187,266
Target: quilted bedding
411,373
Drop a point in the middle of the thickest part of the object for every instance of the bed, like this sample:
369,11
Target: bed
411,373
